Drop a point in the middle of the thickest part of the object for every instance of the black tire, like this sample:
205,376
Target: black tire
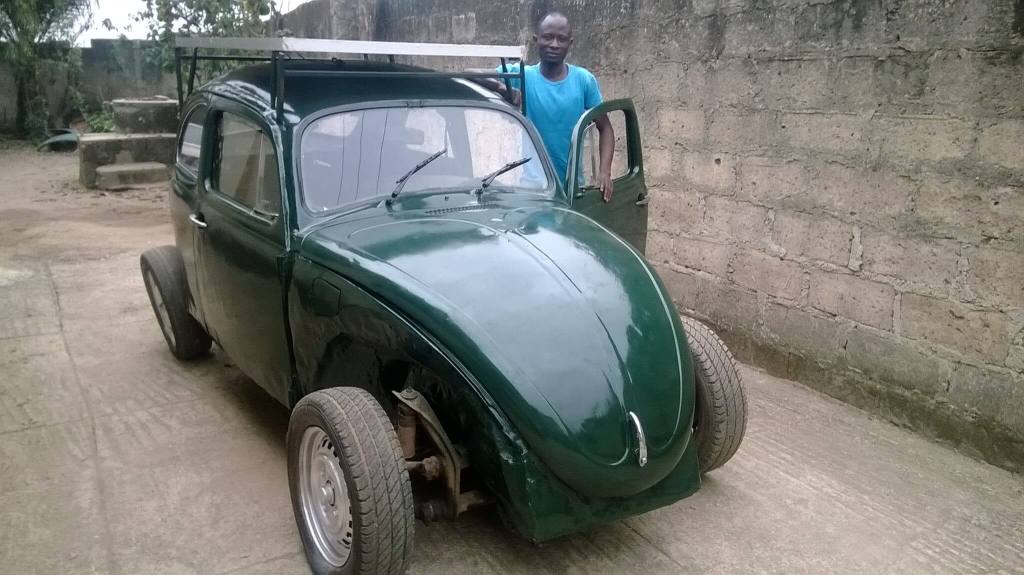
163,272
721,403
364,444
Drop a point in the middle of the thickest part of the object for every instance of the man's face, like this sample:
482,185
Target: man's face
554,36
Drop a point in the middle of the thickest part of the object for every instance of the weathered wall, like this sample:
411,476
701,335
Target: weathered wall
110,69
839,185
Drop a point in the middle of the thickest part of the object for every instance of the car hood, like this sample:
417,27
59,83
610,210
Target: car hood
561,321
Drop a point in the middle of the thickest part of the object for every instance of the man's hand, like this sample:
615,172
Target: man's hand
604,181
515,97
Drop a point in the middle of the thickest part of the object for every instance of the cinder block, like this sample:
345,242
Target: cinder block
998,275
863,301
932,264
764,273
979,333
733,82
744,132
1003,144
924,139
711,172
659,247
680,126
967,209
675,211
817,132
658,163
893,84
722,303
819,339
895,360
860,195
817,237
705,256
732,221
768,181
96,150
794,84
975,83
993,394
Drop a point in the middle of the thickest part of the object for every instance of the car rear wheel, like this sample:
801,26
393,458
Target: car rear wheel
349,486
721,415
163,272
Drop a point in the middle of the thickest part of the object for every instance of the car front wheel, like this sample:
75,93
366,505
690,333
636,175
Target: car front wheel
349,486
720,420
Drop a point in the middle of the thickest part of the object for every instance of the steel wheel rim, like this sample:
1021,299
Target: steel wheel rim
326,509
162,316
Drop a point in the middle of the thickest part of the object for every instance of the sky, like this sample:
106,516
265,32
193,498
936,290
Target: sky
120,13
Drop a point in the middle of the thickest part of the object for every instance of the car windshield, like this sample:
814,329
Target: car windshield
352,156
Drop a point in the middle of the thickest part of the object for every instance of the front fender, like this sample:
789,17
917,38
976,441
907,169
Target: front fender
560,322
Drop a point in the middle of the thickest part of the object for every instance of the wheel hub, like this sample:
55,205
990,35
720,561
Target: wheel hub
326,509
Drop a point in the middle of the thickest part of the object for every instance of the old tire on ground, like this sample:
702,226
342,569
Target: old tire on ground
720,419
350,489
164,275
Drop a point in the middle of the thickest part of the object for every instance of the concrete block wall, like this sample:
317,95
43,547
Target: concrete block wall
838,185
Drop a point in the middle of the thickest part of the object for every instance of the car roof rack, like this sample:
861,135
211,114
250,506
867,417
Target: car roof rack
287,48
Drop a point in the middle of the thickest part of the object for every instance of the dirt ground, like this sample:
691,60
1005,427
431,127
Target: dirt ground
115,458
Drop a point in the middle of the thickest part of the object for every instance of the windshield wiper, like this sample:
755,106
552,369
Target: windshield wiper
486,181
401,181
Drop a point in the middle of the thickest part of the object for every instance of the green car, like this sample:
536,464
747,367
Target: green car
388,252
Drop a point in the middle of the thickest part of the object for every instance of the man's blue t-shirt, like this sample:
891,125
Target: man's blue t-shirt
555,107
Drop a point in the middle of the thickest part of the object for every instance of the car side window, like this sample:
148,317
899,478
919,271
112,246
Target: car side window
191,140
245,169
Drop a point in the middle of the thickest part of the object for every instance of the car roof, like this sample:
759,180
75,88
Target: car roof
306,94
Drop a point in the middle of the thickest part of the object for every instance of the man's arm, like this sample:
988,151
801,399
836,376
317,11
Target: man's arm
514,97
606,147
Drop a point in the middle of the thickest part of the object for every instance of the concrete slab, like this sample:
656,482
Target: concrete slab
145,115
121,176
40,536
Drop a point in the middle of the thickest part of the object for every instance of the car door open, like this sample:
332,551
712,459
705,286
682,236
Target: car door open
626,213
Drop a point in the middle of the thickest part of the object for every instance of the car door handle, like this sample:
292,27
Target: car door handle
197,220
644,200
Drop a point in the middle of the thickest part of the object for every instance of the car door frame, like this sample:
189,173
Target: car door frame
184,198
276,230
626,213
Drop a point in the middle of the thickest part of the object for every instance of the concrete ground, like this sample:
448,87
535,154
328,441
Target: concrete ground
115,458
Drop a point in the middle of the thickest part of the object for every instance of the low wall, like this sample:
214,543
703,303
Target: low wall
109,69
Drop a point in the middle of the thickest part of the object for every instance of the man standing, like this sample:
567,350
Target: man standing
558,94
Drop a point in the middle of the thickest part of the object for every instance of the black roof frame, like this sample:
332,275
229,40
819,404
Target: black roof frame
278,57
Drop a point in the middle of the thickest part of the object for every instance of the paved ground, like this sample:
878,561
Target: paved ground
115,458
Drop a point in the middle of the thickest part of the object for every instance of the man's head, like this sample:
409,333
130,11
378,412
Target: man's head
553,37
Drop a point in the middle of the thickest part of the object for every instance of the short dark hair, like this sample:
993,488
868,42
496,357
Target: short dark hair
552,14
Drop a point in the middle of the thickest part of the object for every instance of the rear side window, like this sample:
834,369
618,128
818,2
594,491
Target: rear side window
191,140
246,166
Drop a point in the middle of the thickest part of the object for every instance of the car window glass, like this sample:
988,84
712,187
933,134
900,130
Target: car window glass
246,167
352,156
191,140
591,157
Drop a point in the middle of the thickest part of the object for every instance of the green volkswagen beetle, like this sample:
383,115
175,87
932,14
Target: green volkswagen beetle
388,253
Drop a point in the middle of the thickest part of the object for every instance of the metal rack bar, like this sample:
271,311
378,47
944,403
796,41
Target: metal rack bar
355,47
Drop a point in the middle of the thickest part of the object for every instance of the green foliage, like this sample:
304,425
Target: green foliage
34,32
169,18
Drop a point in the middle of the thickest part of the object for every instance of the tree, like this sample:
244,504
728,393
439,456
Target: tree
169,18
33,32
